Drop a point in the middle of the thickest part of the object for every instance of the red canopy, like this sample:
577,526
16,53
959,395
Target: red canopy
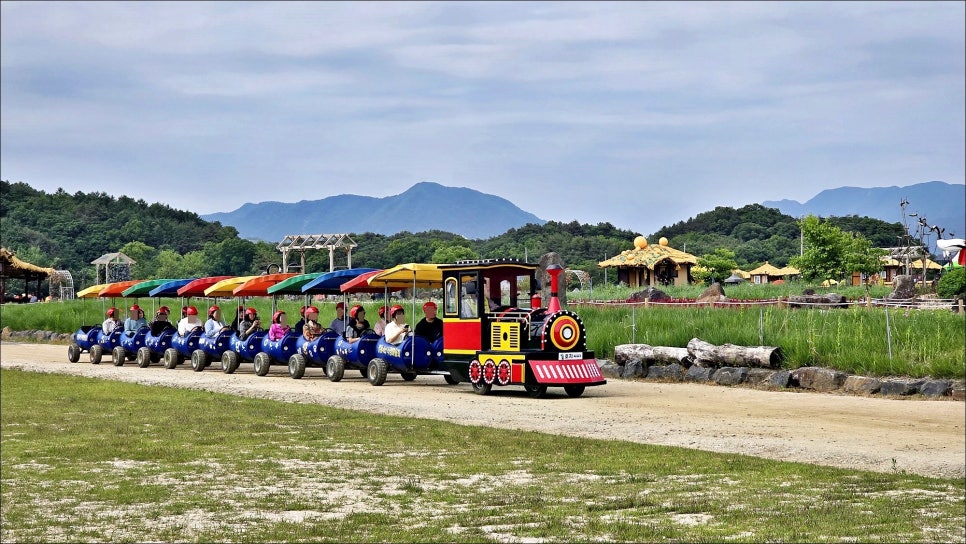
197,287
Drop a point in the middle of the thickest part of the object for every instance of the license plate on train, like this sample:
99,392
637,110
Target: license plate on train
570,356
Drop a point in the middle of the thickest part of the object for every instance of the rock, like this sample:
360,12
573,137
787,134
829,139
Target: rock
900,387
958,393
5,333
780,379
650,294
903,287
609,369
633,369
728,375
808,292
697,374
672,371
936,388
714,293
817,378
828,300
758,375
862,384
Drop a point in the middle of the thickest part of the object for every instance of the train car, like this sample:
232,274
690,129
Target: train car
497,334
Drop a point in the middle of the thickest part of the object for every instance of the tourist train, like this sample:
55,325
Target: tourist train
495,330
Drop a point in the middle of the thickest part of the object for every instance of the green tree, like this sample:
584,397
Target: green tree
717,265
450,254
952,284
145,266
830,253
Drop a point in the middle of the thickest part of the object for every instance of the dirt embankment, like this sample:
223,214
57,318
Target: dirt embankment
925,437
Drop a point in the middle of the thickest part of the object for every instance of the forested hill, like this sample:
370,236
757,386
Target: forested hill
756,233
74,229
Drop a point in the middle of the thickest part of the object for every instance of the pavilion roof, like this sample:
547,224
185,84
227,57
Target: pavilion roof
12,267
648,257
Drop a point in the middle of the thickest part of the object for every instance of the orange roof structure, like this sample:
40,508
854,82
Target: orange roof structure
647,256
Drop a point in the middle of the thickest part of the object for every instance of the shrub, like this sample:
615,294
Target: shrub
952,284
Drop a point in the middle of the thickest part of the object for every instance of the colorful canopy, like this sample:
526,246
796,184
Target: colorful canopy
143,288
293,285
258,286
360,284
197,287
225,287
92,291
409,275
117,288
331,282
170,288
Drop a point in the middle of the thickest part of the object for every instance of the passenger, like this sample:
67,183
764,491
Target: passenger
380,327
112,322
134,321
429,327
190,321
397,329
357,324
214,326
338,324
161,323
300,324
249,323
279,326
239,315
311,329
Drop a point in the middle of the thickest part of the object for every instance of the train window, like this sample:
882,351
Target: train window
468,296
449,297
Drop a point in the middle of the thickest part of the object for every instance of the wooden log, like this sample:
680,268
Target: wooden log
626,353
707,354
832,300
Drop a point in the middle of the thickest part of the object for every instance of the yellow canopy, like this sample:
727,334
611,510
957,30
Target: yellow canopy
92,291
409,275
225,288
930,264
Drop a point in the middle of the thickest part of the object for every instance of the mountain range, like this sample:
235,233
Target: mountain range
477,215
941,204
462,211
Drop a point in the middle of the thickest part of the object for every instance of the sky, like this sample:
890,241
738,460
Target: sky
640,114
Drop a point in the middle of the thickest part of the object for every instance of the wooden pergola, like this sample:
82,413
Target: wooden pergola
13,268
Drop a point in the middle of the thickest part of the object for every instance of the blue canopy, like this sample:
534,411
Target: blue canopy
329,283
169,289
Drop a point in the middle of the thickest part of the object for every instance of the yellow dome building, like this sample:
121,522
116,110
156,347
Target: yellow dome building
651,265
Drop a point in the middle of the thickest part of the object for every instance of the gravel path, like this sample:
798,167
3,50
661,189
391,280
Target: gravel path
925,437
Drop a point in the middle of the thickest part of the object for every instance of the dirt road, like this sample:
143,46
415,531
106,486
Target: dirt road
925,437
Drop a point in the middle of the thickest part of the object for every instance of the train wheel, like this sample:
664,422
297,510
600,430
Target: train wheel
574,391
335,368
171,358
199,360
481,387
450,379
296,366
119,355
97,351
262,363
377,371
364,372
73,353
536,391
408,376
144,357
229,362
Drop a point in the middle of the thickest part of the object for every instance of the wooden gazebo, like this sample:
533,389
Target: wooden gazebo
13,268
652,265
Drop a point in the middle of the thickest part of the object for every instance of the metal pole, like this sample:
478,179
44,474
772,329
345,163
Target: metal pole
888,333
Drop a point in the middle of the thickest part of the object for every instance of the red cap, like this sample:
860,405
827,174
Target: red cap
355,310
340,305
311,310
395,309
251,312
429,304
111,312
276,317
214,308
192,310
382,311
302,310
135,308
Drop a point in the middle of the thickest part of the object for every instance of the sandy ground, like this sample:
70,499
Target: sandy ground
925,437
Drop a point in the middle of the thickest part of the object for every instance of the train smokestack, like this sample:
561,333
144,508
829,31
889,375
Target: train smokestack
554,305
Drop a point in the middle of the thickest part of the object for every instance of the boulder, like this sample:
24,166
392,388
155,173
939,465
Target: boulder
900,387
758,375
6,333
697,374
780,379
714,293
633,369
672,371
828,300
862,384
610,369
903,287
650,295
728,375
936,388
958,393
817,378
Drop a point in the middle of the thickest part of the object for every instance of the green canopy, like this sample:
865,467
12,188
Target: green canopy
293,285
144,288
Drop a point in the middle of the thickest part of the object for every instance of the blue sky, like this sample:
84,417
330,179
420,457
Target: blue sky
638,114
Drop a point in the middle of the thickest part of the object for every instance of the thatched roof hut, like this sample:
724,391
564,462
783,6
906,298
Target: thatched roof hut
13,268
652,265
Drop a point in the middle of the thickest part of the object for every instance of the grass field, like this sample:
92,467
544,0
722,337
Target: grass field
87,460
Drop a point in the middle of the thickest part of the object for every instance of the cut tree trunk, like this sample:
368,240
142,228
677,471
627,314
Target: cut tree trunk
625,353
827,300
706,354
